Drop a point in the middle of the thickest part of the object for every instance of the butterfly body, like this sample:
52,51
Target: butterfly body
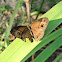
36,30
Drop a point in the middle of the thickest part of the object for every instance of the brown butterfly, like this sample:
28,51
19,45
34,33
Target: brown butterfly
35,30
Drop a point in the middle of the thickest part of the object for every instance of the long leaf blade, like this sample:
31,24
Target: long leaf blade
52,25
44,42
49,50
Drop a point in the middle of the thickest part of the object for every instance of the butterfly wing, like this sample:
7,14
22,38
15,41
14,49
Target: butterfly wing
21,32
17,31
38,27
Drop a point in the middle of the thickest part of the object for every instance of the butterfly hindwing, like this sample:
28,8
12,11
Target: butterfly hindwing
21,32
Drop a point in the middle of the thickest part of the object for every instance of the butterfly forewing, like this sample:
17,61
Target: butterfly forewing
38,27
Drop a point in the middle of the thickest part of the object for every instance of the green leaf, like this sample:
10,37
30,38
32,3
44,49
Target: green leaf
55,12
16,51
49,50
45,41
41,5
52,25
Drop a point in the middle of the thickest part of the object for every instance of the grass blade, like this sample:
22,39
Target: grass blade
11,22
45,41
49,50
52,25
59,58
55,12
